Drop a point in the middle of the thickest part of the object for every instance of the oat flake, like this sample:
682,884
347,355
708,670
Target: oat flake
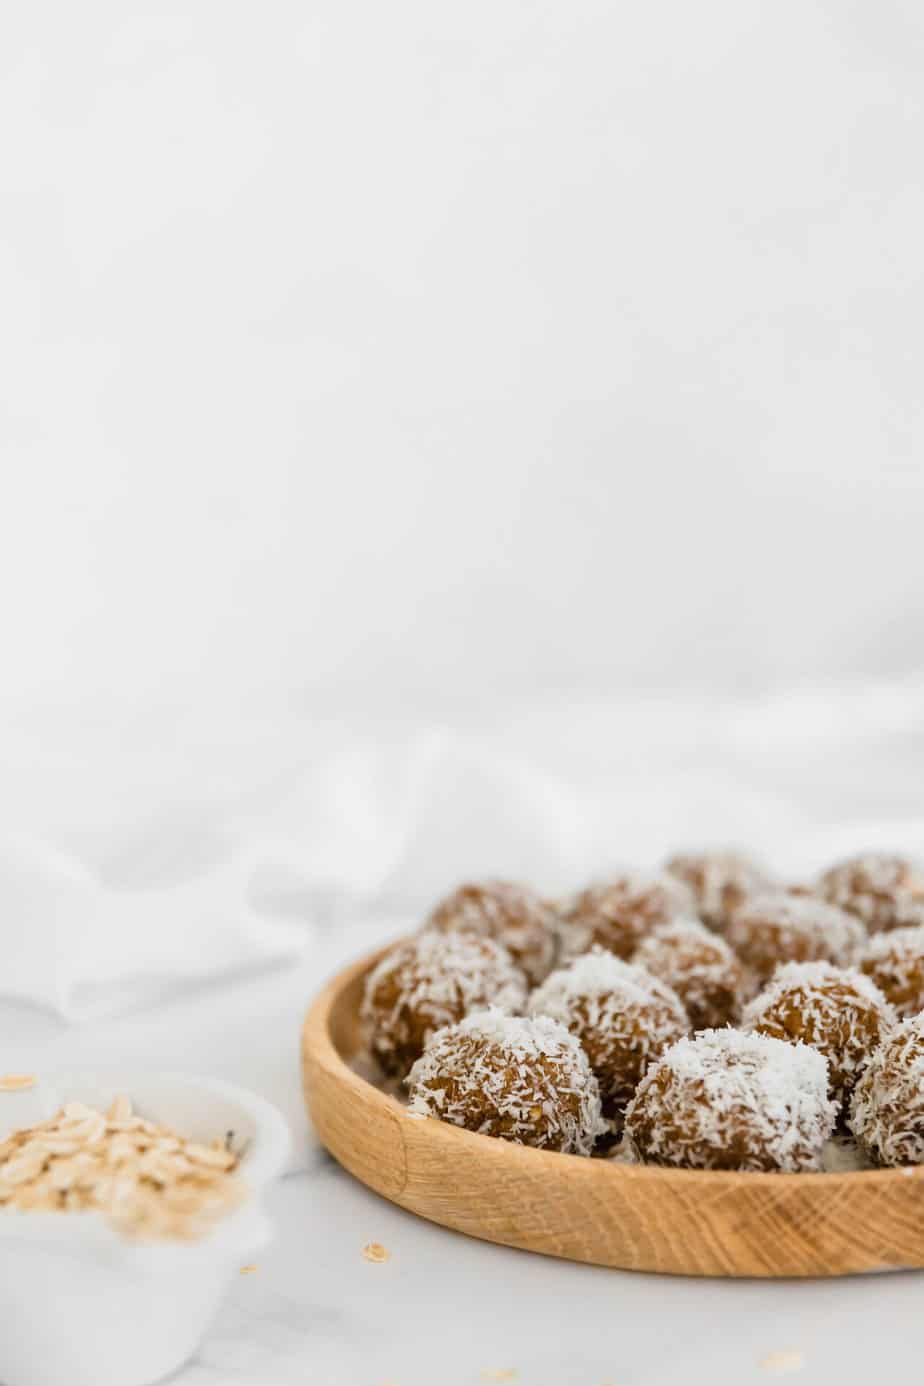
779,1363
375,1252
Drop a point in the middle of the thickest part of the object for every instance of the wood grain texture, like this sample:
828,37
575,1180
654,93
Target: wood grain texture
680,1222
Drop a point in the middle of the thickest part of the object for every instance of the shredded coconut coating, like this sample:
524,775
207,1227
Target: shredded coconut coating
895,962
727,1100
838,1011
887,1108
511,914
524,1079
622,1015
802,888
430,981
720,882
701,969
619,913
885,891
778,928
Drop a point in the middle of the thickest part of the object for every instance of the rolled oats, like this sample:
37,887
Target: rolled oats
148,1181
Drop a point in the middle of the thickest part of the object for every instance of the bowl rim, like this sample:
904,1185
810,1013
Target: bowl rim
318,1038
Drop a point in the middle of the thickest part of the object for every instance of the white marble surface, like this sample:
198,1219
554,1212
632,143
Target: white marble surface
445,1309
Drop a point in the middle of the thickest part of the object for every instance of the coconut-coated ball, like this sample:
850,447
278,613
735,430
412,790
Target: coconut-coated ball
887,1108
511,914
720,881
701,968
524,1079
884,890
728,1100
837,1010
895,962
622,1015
771,929
617,914
428,981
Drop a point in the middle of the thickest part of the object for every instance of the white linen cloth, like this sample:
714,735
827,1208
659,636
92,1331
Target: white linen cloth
85,949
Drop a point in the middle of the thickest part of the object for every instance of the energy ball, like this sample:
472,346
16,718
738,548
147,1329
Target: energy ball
622,1015
837,1010
720,882
771,929
527,1080
429,981
701,969
887,1108
618,914
727,1100
513,915
886,892
895,961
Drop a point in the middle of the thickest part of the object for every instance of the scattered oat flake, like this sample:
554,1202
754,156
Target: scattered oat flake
499,1374
790,1360
17,1082
374,1251
249,1270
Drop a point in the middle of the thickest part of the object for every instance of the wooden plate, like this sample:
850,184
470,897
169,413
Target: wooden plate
682,1222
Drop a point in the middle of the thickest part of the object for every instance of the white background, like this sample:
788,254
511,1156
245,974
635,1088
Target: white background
388,355
439,439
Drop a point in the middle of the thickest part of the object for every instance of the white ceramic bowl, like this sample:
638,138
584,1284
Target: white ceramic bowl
78,1303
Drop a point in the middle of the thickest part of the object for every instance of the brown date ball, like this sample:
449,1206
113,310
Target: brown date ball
719,881
886,892
771,929
727,1100
622,1015
525,1080
838,1011
895,962
618,914
513,915
887,1108
700,967
429,981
